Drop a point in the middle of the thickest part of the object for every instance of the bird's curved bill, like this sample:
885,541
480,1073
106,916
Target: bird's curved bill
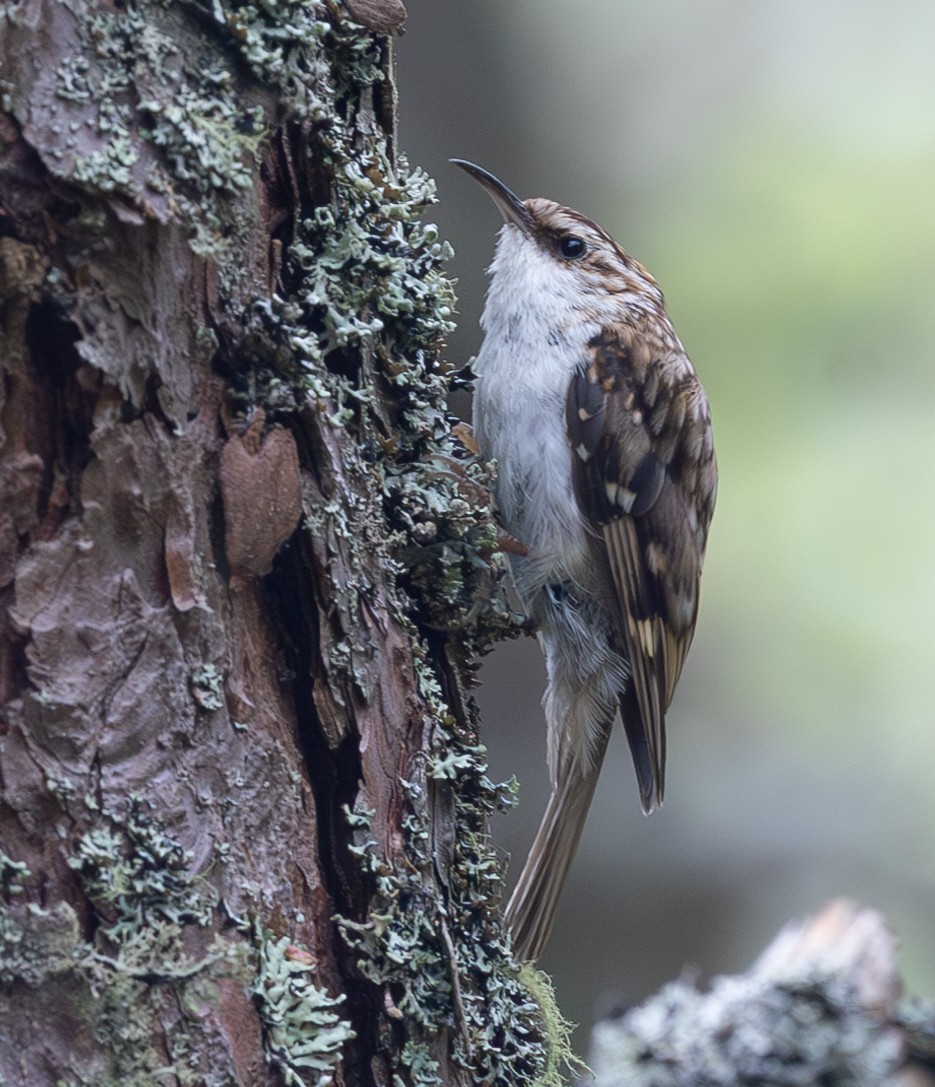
511,207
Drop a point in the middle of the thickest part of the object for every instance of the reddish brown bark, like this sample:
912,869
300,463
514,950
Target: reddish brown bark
242,808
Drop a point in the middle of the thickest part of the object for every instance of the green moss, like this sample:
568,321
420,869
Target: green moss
562,1062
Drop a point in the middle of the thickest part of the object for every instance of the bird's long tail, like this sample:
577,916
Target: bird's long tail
530,912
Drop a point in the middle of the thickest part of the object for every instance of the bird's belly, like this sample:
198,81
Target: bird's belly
524,430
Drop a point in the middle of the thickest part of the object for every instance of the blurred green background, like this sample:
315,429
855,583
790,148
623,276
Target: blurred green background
773,165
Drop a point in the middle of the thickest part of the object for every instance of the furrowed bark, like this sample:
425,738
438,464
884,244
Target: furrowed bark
244,805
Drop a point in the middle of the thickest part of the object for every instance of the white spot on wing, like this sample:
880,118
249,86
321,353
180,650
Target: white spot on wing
625,499
656,559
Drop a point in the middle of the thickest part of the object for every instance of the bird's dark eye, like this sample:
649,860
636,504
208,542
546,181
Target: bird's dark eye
572,247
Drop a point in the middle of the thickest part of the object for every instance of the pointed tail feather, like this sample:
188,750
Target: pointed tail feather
648,750
531,910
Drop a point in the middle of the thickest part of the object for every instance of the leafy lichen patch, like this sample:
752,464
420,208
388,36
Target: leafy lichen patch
303,1032
142,108
446,957
152,951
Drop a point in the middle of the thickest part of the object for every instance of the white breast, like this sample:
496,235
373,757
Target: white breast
535,338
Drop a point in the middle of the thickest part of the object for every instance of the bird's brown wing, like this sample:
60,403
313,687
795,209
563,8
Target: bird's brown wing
644,475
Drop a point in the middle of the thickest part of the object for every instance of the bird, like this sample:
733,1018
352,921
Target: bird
606,476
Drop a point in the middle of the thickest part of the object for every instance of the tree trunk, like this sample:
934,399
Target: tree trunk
244,577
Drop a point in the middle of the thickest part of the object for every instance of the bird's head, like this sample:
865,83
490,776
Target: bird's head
545,248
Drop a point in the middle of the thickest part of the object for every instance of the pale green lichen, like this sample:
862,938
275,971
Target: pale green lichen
138,880
12,874
424,1070
281,41
369,276
111,168
370,283
369,273
367,282
199,139
302,1032
916,1018
207,686
446,957
37,943
152,112
370,262
748,1030
447,549
136,968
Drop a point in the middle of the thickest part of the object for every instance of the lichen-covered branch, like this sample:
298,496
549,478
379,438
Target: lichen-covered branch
820,1006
